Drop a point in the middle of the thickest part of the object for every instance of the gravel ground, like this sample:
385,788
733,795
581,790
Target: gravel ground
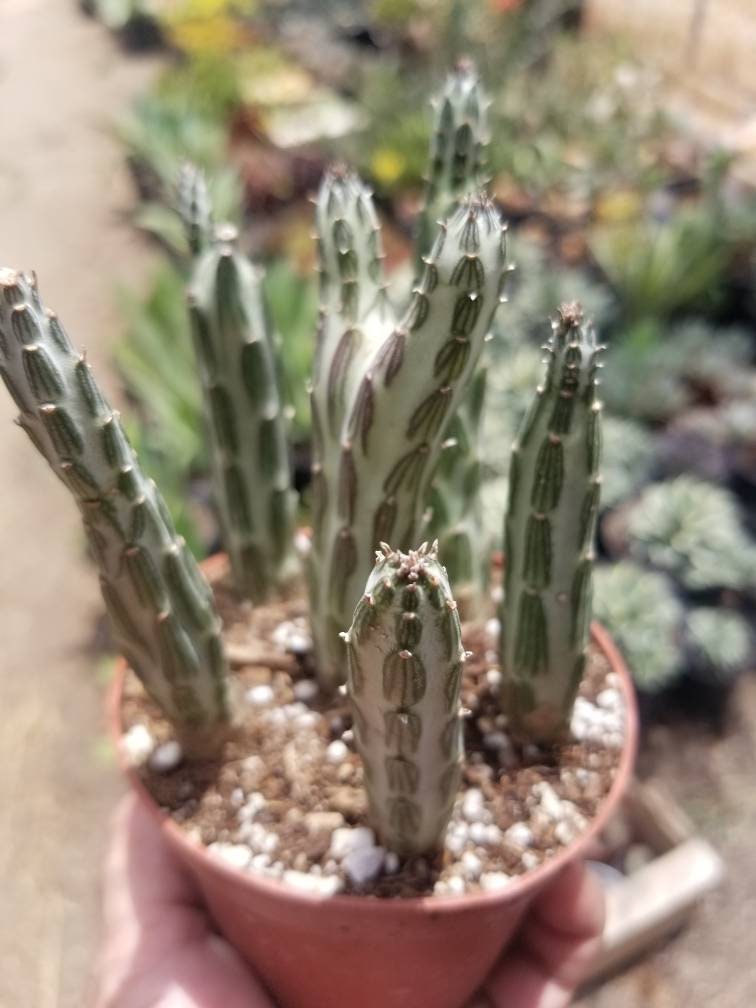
62,191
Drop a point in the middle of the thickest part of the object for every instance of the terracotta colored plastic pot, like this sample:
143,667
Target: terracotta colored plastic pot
344,951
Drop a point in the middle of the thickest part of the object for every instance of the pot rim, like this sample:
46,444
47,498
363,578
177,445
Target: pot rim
519,887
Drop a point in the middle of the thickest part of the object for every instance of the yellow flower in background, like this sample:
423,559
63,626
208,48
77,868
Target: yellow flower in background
620,206
219,34
387,165
174,11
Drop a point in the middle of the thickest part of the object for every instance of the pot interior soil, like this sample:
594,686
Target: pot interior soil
287,800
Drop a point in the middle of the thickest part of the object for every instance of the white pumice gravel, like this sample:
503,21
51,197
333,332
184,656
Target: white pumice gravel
350,839
316,885
530,860
292,636
138,743
337,751
166,757
472,805
492,881
391,863
260,695
493,628
305,690
548,800
237,855
472,866
494,678
520,835
323,822
363,864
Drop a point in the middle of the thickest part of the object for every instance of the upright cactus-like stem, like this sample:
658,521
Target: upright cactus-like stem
405,660
455,510
455,167
393,426
457,150
243,405
159,604
549,534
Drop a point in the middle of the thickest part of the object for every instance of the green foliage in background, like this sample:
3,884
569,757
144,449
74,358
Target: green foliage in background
641,611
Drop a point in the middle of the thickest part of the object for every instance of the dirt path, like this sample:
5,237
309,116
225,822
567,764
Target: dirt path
63,191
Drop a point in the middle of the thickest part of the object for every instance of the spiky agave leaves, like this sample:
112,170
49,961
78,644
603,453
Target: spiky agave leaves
159,604
194,208
400,402
245,416
405,659
554,487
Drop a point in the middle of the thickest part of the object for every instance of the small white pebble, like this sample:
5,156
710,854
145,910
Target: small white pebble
455,843
609,699
293,711
260,862
456,885
305,690
308,720
316,885
138,744
472,805
302,543
493,628
492,835
440,888
238,855
519,835
337,752
478,833
471,865
323,822
391,863
347,736
237,797
529,860
565,832
260,695
491,881
496,741
363,864
549,801
493,678
270,843
166,757
349,839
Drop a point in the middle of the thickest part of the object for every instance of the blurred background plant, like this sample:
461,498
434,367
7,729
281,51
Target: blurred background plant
610,202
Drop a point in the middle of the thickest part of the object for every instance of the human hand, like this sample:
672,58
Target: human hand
556,944
160,950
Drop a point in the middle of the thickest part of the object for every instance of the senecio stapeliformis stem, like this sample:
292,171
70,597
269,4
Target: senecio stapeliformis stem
159,604
385,390
549,534
459,141
405,662
236,355
455,510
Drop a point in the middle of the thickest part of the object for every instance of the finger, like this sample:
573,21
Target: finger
143,880
559,938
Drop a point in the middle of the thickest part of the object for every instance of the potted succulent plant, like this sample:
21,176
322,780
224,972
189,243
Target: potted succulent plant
370,812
